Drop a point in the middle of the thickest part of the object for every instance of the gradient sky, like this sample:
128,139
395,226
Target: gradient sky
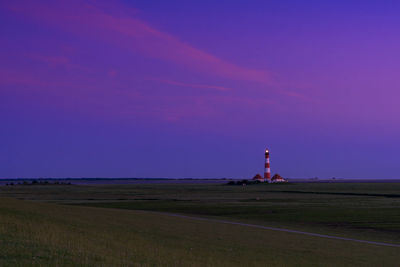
199,88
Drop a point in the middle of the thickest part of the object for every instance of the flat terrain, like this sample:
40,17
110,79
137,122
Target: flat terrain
116,224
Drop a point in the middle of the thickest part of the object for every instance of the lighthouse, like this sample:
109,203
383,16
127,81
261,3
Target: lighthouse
267,169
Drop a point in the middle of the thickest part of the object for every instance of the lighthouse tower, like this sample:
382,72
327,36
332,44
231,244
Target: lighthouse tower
267,170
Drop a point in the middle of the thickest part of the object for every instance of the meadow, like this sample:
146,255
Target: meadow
116,224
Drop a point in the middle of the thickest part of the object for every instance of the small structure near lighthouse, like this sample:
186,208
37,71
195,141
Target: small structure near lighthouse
277,179
258,178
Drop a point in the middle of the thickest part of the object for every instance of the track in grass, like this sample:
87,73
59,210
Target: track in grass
276,229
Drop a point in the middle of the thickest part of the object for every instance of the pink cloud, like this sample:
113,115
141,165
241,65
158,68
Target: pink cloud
53,60
111,92
216,87
104,99
299,96
90,18
8,77
112,73
115,25
57,61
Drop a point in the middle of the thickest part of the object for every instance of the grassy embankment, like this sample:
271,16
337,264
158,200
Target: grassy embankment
51,234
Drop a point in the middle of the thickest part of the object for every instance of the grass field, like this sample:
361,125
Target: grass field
109,225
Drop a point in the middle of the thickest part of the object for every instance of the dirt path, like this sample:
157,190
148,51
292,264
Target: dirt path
277,229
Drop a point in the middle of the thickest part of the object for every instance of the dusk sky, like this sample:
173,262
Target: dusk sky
199,88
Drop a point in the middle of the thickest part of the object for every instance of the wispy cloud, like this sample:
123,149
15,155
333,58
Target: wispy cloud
57,61
111,89
9,77
193,85
90,18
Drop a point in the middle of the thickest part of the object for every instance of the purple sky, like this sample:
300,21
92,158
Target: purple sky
184,89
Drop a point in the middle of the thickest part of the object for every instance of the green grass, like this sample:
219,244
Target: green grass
37,234
114,231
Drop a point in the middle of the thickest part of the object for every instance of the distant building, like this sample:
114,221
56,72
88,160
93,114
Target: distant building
278,179
267,173
267,169
258,177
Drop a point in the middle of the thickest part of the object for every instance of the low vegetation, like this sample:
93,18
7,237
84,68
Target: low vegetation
118,230
244,182
37,182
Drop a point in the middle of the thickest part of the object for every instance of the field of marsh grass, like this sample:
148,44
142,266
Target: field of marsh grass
55,225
